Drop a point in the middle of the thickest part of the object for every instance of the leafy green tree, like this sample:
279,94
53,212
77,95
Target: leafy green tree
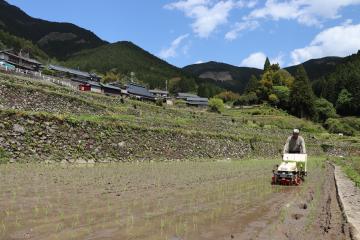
216,105
283,93
185,84
275,67
301,95
247,99
343,103
208,90
110,77
324,109
273,99
228,96
267,65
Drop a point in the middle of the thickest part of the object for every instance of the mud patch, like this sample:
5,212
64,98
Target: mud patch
297,216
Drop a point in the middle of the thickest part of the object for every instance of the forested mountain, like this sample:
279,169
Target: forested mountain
125,57
58,40
342,87
317,68
223,75
8,41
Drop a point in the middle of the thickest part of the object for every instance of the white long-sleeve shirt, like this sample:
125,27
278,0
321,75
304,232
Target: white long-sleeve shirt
295,145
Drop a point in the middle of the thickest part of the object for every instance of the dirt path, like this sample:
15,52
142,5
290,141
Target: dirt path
349,196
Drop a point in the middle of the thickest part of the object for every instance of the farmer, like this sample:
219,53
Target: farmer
295,143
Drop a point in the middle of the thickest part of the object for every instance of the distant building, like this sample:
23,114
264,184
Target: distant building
74,74
139,92
19,61
197,101
110,89
159,93
84,87
94,86
184,96
7,66
193,100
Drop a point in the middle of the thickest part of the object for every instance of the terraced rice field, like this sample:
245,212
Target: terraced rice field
167,200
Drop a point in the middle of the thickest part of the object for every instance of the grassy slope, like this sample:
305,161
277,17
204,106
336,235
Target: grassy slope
263,123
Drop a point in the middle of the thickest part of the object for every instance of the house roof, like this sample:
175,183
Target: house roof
186,95
197,99
110,86
158,91
139,90
71,71
197,103
92,83
30,60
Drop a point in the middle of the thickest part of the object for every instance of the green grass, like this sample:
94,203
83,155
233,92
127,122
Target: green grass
351,167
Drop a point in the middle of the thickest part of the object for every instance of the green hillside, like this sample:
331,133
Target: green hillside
125,57
58,40
317,68
49,116
342,87
8,41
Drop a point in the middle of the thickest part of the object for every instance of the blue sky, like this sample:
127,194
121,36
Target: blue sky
238,32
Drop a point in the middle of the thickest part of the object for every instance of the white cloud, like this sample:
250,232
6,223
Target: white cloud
199,62
207,15
307,12
257,60
239,27
341,41
172,50
248,4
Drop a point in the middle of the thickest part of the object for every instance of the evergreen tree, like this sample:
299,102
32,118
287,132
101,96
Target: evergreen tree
301,95
267,65
252,85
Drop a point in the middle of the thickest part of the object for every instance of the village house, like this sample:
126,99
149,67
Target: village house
84,85
193,100
197,101
73,74
184,96
159,93
110,89
20,62
139,92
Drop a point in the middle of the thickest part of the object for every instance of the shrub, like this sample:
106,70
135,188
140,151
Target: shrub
228,96
336,126
248,99
48,72
3,156
274,100
216,105
160,102
324,109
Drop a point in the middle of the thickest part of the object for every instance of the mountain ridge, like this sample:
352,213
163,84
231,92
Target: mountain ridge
16,22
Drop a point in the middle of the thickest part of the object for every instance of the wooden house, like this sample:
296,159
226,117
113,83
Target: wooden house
20,61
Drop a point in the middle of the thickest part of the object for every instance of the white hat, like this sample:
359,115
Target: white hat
296,130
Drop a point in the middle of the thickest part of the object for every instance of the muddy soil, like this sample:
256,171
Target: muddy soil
170,201
311,211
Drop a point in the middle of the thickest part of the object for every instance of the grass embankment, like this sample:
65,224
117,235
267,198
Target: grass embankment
351,166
